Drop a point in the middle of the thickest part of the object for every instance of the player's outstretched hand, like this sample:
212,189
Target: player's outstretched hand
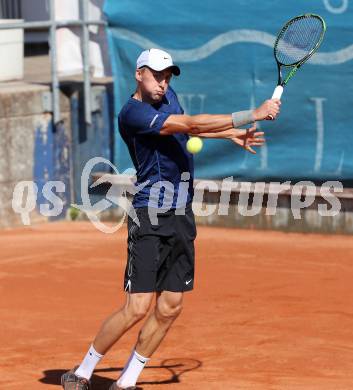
269,109
246,138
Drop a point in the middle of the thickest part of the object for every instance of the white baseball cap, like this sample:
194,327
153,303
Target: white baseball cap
158,60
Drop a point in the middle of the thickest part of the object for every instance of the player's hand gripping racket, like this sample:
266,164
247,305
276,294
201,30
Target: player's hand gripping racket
295,44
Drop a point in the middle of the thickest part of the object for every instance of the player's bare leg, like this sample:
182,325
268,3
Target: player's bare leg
134,310
167,309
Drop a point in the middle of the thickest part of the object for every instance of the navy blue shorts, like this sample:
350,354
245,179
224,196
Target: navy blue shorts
161,257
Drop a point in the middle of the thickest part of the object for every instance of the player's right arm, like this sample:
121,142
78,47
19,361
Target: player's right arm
206,123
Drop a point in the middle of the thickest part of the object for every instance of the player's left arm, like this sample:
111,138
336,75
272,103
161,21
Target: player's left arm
245,138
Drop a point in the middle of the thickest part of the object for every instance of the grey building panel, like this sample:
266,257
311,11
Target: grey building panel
10,9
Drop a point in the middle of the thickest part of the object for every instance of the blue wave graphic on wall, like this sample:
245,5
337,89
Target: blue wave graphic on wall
228,38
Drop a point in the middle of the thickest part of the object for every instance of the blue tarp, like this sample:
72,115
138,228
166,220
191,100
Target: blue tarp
225,51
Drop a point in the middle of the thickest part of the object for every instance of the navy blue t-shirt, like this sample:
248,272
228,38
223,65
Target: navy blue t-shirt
162,160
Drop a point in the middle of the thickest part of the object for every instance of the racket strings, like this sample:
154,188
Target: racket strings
298,40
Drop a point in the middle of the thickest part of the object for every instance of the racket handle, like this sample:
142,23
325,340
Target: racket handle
277,93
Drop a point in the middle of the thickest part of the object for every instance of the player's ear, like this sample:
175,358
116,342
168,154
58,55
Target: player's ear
138,74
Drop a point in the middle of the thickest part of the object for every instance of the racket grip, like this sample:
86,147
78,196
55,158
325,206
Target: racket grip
277,93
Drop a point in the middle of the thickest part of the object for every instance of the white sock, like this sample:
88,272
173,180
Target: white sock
89,363
132,370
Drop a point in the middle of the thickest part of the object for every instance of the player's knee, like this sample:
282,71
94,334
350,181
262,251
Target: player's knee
137,313
167,312
138,308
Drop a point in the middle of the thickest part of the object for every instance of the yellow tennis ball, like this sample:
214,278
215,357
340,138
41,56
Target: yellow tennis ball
194,145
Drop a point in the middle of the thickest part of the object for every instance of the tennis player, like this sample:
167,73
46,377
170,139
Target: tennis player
161,236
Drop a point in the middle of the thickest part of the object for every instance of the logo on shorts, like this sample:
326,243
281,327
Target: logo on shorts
188,282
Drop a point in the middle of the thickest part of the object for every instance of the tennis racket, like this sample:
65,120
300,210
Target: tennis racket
297,41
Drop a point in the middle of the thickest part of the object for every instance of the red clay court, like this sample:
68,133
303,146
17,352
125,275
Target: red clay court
270,310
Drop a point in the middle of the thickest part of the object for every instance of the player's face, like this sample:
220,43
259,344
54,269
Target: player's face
153,84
